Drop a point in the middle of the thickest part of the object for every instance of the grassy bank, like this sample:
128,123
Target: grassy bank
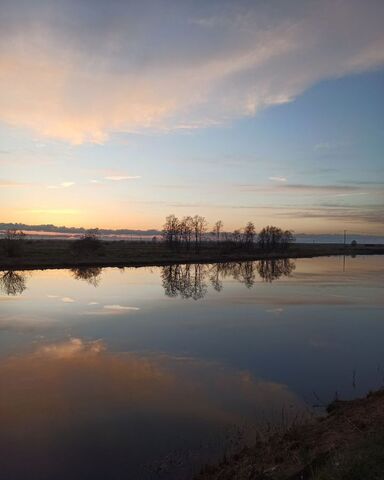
347,444
39,254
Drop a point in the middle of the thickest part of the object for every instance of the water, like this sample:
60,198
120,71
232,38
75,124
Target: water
147,373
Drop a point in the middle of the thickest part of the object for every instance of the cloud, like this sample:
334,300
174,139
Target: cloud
59,211
329,146
338,214
118,178
174,65
13,184
302,189
278,179
62,185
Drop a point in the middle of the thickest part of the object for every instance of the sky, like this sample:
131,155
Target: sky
114,114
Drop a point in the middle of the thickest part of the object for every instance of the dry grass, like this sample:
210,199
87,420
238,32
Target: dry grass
347,444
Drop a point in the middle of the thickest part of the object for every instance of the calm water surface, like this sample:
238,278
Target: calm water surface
146,373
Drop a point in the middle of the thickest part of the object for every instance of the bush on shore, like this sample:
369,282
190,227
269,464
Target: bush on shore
87,244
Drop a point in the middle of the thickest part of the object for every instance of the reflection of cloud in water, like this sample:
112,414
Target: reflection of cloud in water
71,348
301,298
25,322
67,300
74,401
276,311
103,310
120,307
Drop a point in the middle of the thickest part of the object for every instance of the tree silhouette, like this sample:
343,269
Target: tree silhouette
249,234
273,237
217,230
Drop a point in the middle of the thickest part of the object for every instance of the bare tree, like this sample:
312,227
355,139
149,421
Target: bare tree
236,236
217,230
273,237
171,230
199,229
186,230
249,234
287,238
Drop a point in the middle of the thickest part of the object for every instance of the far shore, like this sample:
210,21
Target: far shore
55,254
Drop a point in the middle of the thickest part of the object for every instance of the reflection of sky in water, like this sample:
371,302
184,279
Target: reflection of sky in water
104,363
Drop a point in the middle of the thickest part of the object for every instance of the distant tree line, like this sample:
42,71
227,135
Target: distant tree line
74,230
193,231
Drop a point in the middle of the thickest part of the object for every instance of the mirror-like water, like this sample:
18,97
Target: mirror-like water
147,373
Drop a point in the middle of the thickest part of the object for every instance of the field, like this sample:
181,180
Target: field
39,254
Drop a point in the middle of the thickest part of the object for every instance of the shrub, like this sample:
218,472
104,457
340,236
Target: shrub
14,242
88,243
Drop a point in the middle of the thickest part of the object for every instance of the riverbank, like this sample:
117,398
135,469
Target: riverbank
44,254
346,444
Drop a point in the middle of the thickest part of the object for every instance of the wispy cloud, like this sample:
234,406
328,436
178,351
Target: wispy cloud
205,64
13,184
329,146
278,179
338,213
300,189
117,178
53,211
61,185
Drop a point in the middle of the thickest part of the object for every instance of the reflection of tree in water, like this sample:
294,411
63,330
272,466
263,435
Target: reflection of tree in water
184,280
90,274
13,283
190,281
243,272
270,270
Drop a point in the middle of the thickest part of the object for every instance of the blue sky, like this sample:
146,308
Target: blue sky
115,114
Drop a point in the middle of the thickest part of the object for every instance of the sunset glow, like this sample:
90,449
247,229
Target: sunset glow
117,114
